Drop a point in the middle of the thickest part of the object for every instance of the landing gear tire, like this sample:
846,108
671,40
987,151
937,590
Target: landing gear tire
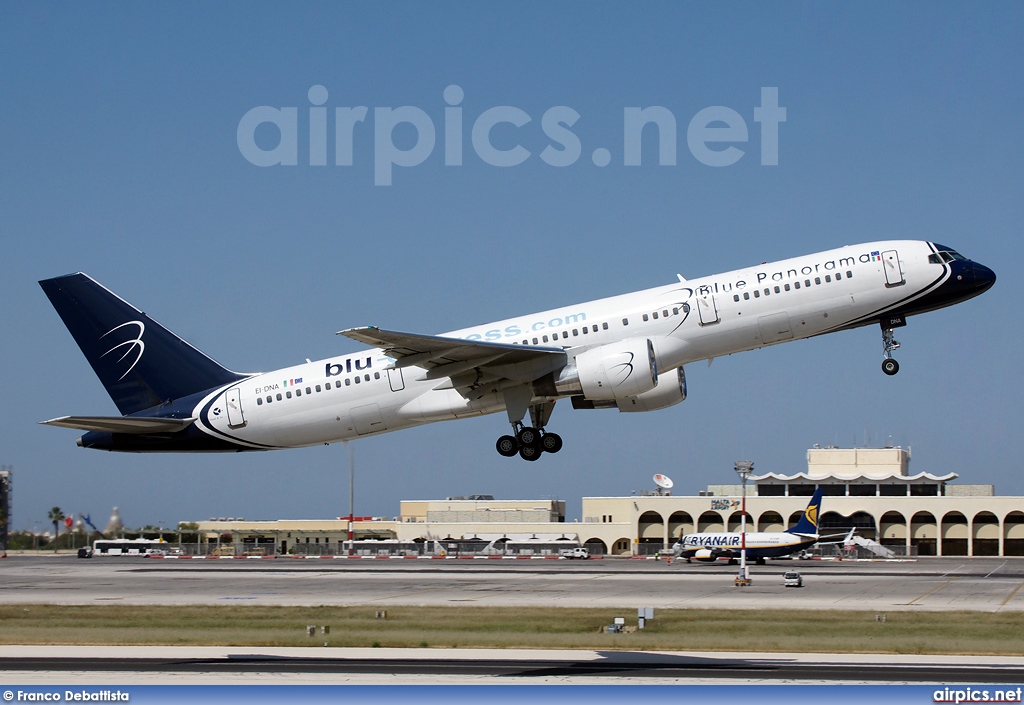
529,452
528,436
507,446
890,366
551,442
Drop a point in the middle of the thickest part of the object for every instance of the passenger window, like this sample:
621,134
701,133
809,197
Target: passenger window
625,321
259,401
746,296
735,297
777,290
786,287
848,274
545,339
269,399
279,396
796,285
646,317
665,313
838,276
817,280
585,331
757,294
348,382
575,332
655,315
357,379
288,395
828,279
534,341
594,328
337,384
376,375
807,283
366,377
604,326
675,311
318,387
767,292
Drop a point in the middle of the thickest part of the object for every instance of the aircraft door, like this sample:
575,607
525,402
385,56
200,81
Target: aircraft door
396,380
893,270
707,309
233,399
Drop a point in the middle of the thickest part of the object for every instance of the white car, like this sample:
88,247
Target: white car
578,552
791,578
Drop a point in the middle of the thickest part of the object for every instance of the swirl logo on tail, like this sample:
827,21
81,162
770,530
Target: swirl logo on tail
134,345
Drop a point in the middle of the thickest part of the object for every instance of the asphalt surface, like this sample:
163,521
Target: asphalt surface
985,584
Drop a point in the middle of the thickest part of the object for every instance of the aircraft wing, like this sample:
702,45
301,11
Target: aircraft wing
470,364
121,424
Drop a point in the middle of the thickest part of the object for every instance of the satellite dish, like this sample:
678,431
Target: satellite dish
663,481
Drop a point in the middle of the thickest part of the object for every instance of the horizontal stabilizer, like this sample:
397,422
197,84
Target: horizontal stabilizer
121,424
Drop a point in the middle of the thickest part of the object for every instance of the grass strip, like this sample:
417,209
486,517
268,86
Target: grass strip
904,632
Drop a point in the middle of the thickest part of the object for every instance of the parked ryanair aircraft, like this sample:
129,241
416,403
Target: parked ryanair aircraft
625,352
711,546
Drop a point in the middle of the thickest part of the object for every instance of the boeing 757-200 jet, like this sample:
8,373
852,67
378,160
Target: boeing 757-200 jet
625,352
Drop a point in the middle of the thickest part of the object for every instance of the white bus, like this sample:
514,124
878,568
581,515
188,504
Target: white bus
129,547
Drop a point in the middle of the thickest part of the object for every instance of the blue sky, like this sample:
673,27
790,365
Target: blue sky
119,154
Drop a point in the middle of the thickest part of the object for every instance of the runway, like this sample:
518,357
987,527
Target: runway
174,665
983,584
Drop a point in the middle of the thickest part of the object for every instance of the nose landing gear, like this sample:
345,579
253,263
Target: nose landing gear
889,343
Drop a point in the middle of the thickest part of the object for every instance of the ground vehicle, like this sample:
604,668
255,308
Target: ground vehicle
577,552
791,578
128,547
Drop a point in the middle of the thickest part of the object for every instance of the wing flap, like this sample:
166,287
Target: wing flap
121,424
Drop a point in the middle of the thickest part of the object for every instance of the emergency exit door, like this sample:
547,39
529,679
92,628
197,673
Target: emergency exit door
236,419
707,310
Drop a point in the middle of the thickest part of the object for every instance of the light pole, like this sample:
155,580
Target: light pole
743,468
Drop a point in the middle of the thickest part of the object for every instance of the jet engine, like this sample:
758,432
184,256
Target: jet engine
617,371
670,390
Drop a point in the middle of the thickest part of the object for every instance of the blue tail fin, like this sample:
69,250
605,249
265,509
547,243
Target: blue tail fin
808,523
141,363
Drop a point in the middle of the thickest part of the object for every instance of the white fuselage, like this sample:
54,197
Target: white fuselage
348,396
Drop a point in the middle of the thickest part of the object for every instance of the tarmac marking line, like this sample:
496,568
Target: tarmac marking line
933,590
1012,594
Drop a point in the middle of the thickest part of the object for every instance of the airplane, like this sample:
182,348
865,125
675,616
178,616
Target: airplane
626,352
711,546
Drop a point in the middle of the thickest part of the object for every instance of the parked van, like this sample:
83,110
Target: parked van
578,552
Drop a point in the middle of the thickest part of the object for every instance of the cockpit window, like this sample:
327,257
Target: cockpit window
946,256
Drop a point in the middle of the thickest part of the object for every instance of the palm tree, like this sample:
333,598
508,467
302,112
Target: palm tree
56,516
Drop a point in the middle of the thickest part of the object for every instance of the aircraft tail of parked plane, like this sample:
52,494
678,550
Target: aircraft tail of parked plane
625,352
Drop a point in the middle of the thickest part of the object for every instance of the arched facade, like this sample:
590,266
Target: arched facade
597,547
985,534
735,523
621,546
924,533
770,521
651,528
955,535
710,521
1013,534
892,529
679,524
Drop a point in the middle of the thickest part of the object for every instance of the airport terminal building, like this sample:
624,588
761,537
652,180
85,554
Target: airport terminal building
870,489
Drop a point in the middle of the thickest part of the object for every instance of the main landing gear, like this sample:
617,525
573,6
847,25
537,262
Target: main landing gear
529,442
889,343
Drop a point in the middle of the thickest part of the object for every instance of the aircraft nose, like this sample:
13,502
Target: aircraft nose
984,277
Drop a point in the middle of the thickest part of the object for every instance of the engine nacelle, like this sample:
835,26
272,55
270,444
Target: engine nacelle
705,554
670,390
611,372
